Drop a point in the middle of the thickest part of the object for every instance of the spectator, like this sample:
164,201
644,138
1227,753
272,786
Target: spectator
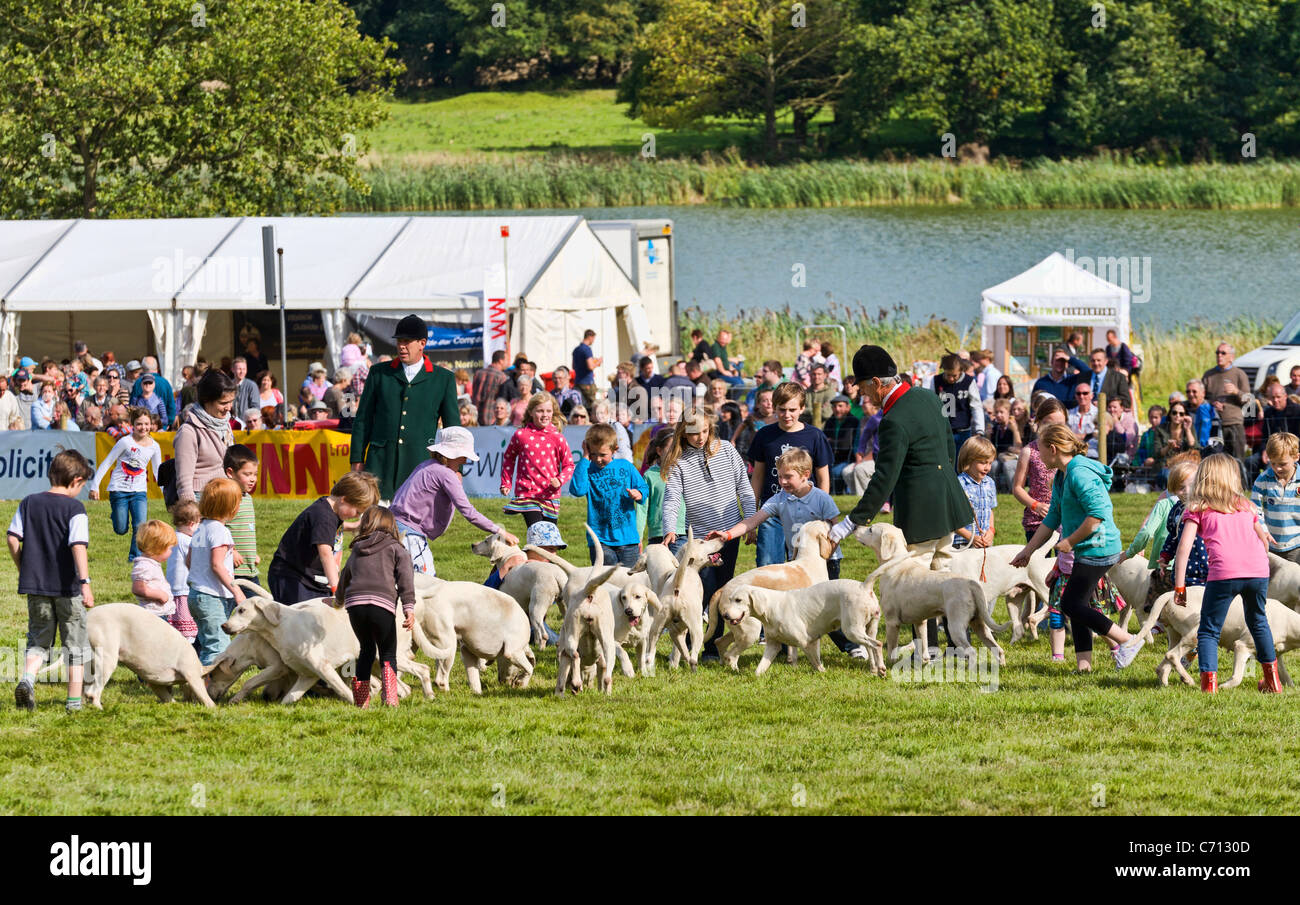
526,368
819,396
1121,354
42,411
717,394
585,362
578,416
1202,411
89,363
1151,445
26,396
253,419
468,415
646,376
268,395
1020,415
99,398
1281,414
841,430
1121,431
803,364
254,358
1181,437
1107,379
1293,388
1074,346
76,385
489,385
1003,389
1082,419
162,388
1057,382
721,361
63,420
246,391
695,374
834,373
149,400
701,351
117,422
1227,388
271,417
317,381
462,388
498,414
729,421
203,436
1004,434
624,392
760,416
9,408
987,378
959,399
858,474
566,397
132,373
338,398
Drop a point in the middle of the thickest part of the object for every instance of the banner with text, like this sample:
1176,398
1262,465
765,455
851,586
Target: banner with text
25,458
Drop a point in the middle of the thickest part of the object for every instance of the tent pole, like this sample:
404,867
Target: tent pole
284,342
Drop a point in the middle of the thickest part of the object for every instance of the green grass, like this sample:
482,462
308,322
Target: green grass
708,742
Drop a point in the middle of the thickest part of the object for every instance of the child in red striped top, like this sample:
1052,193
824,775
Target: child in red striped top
538,462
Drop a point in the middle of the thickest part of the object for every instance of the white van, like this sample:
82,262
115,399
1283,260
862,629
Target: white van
1278,357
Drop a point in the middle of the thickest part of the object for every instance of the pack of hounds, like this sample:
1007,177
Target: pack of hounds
612,614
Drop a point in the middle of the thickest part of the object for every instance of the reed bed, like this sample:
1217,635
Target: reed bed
606,180
1171,356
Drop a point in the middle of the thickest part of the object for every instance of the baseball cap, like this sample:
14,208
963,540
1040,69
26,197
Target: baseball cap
27,362
454,442
21,374
316,368
133,365
840,397
544,534
148,378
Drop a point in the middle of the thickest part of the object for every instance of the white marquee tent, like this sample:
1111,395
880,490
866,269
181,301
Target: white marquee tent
1025,315
85,277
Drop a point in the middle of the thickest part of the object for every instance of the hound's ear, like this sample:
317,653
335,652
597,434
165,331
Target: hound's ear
211,666
269,609
892,544
827,546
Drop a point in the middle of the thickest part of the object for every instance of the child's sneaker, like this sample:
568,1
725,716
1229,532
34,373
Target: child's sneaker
1125,653
72,706
25,696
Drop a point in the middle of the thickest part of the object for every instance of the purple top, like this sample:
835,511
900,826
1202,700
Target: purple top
868,441
427,500
1038,484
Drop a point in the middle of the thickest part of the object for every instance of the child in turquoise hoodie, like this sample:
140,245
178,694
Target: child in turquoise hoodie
1082,510
613,487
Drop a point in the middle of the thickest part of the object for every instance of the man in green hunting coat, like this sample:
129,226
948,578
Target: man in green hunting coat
916,463
397,417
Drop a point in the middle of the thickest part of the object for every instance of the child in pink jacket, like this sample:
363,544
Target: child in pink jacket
538,462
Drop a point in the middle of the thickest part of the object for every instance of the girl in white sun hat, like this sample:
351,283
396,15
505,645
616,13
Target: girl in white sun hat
426,501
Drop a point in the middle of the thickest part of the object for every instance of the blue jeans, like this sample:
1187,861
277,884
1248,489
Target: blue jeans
837,472
625,555
959,438
209,613
128,511
771,543
1214,607
734,381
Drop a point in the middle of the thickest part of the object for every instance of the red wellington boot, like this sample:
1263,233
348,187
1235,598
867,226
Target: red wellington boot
361,694
1210,682
390,686
1271,683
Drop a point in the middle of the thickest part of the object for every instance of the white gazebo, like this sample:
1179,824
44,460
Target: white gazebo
1028,315
113,282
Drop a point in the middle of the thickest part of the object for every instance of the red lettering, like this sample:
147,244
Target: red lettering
497,318
275,467
305,462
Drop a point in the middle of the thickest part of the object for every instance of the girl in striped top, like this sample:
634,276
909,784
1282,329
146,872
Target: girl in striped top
707,477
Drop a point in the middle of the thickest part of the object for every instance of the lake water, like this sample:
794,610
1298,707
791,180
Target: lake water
1206,265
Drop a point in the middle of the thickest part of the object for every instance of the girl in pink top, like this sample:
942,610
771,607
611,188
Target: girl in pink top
1236,544
538,462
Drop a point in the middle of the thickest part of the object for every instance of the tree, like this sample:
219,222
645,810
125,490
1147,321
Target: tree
756,59
179,108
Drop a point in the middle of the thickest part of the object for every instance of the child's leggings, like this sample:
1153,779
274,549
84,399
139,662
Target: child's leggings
376,629
1076,602
1214,608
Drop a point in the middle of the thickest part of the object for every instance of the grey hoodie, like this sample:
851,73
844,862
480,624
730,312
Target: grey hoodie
379,569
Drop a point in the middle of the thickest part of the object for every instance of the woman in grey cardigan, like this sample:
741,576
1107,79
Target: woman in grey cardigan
204,435
708,477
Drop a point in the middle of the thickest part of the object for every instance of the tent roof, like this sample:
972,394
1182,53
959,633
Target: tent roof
1056,291
372,263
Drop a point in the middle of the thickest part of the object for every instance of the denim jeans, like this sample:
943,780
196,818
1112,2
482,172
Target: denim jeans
771,543
209,613
1214,607
128,511
837,475
624,555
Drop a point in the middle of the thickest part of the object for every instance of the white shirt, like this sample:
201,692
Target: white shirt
134,461
177,572
210,534
9,409
412,370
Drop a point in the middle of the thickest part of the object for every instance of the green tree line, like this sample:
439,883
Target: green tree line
1167,79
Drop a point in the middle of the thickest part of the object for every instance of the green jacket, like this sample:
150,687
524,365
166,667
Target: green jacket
1082,491
916,465
396,421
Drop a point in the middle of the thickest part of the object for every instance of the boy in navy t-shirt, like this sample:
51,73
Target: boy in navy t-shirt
48,539
770,444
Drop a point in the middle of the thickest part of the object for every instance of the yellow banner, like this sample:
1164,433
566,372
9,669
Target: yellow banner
291,465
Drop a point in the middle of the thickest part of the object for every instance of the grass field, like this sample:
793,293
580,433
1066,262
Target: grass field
1045,741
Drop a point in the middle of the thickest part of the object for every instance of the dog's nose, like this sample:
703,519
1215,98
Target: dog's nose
629,612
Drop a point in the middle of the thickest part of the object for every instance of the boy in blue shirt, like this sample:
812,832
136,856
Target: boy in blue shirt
973,465
612,487
1276,495
48,538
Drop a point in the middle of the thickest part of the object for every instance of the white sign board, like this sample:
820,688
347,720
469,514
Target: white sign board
25,458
